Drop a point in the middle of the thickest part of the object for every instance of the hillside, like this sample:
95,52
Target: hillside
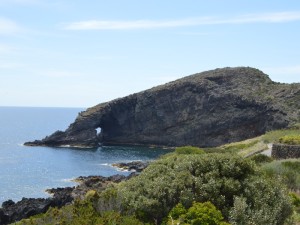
205,109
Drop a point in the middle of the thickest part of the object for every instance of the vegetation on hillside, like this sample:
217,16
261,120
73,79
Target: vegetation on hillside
197,186
290,140
256,145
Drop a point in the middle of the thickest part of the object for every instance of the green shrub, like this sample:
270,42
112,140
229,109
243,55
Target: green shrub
218,178
177,211
81,212
288,170
189,150
262,202
197,214
290,140
274,136
292,165
260,158
295,200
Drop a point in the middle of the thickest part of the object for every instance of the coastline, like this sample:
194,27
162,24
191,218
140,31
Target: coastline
14,211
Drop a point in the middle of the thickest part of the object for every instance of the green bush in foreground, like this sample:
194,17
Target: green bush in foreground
198,214
260,158
80,213
236,189
227,181
288,170
189,150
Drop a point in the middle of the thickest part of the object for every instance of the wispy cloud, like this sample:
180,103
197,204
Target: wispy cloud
8,26
276,17
22,2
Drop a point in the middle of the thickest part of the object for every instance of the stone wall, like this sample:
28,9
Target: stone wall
280,151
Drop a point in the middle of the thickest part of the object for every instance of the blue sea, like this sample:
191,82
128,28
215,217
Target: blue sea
29,171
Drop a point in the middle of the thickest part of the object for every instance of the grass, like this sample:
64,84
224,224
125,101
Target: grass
243,148
287,169
290,140
274,136
255,145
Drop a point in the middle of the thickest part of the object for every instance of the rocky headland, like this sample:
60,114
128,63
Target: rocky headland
205,109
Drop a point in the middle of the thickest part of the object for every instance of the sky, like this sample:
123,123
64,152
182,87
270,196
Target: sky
72,53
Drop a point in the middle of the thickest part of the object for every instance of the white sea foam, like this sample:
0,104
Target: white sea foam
67,180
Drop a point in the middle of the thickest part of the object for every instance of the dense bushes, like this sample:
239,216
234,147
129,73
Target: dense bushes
80,213
189,150
225,180
288,170
186,188
198,214
290,140
260,158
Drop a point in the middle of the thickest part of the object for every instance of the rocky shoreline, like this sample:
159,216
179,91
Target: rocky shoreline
14,211
135,166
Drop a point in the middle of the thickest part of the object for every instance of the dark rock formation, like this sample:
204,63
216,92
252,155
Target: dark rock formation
205,109
136,166
98,183
12,212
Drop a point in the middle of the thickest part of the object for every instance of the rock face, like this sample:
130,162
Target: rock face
205,109
27,207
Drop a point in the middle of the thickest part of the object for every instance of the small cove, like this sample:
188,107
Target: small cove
28,171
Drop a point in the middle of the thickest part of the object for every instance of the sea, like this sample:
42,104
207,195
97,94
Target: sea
29,171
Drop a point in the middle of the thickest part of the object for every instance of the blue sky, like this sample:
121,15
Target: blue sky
80,53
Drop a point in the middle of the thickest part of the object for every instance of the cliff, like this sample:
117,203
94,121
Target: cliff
205,109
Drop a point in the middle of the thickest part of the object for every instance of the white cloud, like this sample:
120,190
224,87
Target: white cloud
8,26
277,17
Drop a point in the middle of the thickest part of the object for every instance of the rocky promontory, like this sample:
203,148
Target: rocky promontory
205,109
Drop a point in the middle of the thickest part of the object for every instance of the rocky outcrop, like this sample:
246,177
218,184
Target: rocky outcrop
205,109
27,207
135,166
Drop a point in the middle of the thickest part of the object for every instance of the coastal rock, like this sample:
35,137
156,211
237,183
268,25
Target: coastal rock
136,166
98,183
12,212
25,208
205,110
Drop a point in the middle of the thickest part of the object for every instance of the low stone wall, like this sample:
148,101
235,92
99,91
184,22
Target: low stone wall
281,151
